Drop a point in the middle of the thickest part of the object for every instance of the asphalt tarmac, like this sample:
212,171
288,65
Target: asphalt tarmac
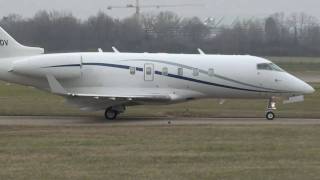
99,121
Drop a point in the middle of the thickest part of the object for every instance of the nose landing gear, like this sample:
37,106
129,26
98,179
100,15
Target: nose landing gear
271,107
270,116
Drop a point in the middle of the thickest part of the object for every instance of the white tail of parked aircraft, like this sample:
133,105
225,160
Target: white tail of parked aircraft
113,81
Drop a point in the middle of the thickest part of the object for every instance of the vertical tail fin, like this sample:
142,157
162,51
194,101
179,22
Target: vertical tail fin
9,47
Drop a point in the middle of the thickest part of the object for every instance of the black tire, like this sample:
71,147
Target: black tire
111,114
270,116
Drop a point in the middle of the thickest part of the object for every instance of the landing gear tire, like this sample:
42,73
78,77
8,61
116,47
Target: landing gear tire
111,114
270,116
271,107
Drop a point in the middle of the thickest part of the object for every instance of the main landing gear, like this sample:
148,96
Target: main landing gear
112,112
271,107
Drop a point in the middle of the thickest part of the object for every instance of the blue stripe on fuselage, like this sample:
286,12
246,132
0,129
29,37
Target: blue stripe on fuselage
169,75
67,65
210,83
108,65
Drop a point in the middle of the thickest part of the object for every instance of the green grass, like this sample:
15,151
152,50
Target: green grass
19,100
154,152
235,108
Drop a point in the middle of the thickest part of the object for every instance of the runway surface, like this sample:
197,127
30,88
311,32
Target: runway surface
96,121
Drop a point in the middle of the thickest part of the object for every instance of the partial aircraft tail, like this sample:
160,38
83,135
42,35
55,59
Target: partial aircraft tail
9,47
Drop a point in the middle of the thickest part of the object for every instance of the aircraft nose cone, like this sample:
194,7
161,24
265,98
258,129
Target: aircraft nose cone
300,86
308,89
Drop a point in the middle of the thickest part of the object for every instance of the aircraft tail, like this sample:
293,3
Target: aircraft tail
9,47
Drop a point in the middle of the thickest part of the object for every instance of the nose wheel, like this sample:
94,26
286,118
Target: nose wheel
271,107
270,116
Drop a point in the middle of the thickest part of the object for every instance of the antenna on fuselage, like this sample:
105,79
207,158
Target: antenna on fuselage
201,52
115,49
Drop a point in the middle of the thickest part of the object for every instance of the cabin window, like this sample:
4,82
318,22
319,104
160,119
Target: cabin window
269,67
132,70
165,71
195,72
148,71
180,71
211,72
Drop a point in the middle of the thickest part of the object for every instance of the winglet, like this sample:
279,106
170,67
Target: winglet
55,86
115,49
201,52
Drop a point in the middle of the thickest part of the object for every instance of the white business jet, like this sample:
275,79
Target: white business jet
112,81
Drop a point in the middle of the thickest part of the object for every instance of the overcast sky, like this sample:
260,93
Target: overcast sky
214,8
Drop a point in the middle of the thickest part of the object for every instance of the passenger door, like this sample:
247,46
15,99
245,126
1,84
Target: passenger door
148,72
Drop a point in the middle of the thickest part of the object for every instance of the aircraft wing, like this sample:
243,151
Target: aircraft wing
128,97
95,103
98,98
112,94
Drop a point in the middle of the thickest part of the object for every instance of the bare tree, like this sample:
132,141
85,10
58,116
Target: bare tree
296,34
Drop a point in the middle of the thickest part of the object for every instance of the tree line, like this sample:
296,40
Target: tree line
277,35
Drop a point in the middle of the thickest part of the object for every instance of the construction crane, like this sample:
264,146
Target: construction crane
138,6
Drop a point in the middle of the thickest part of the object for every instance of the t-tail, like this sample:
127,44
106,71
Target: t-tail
9,47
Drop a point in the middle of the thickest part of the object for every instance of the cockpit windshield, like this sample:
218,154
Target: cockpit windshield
269,67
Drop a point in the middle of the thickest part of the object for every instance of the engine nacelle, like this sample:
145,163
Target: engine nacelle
61,67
